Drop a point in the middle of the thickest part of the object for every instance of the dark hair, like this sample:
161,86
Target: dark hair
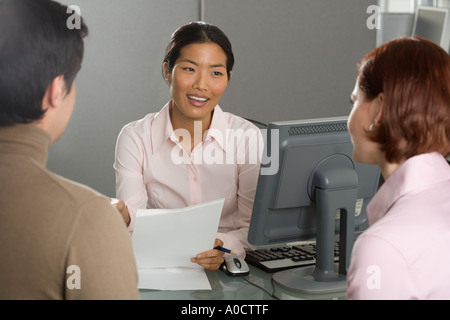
197,32
414,76
36,46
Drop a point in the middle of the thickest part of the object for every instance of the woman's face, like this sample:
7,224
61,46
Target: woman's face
363,115
197,81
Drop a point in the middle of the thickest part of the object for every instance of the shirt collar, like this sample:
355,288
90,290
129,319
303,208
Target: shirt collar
162,129
218,128
418,172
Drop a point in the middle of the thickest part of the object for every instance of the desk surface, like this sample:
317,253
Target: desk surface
225,287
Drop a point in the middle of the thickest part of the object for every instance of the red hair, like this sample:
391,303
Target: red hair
414,76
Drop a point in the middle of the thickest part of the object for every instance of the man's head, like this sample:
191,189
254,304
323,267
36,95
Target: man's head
38,53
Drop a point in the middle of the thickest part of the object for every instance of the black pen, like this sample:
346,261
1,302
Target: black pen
224,249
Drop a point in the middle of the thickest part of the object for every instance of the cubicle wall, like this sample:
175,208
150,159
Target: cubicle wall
120,81
294,59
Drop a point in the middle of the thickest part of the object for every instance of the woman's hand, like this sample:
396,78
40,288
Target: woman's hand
212,259
122,208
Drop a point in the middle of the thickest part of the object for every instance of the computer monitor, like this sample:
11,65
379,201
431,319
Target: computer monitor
309,188
433,24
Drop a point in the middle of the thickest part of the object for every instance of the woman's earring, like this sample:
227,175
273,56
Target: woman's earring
371,127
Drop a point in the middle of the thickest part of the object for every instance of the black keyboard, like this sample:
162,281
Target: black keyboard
285,257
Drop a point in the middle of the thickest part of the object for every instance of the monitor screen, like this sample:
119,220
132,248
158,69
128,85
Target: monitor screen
307,180
432,23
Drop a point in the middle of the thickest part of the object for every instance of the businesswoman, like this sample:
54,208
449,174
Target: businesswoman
400,121
191,151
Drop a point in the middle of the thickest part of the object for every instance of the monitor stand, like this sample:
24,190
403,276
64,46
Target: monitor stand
334,189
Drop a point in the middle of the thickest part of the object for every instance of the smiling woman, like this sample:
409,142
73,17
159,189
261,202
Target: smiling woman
197,67
197,81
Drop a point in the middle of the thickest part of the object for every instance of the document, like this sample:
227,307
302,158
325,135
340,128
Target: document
165,240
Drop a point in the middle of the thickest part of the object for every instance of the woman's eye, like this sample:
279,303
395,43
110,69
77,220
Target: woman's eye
217,73
188,69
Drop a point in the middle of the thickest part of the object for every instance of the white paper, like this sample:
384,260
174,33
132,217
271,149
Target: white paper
173,279
165,240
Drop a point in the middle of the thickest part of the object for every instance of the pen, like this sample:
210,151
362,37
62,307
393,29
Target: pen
224,249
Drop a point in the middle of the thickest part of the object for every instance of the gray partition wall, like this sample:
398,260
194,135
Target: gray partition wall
295,59
120,81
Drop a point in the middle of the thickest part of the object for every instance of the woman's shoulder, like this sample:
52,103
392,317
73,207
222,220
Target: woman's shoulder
144,124
238,122
140,125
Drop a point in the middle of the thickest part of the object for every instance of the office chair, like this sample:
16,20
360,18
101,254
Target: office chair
257,123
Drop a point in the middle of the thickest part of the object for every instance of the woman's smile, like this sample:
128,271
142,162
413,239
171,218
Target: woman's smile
198,100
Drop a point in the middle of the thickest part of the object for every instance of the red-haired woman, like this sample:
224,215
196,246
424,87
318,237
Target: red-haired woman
400,121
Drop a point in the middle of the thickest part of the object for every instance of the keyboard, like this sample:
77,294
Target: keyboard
285,257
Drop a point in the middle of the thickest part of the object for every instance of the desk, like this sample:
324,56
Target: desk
225,287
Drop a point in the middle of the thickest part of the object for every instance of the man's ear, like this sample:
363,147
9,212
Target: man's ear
55,93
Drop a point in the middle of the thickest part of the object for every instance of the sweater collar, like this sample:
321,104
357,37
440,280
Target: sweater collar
27,140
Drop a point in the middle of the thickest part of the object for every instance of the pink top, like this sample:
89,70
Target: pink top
405,253
153,170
